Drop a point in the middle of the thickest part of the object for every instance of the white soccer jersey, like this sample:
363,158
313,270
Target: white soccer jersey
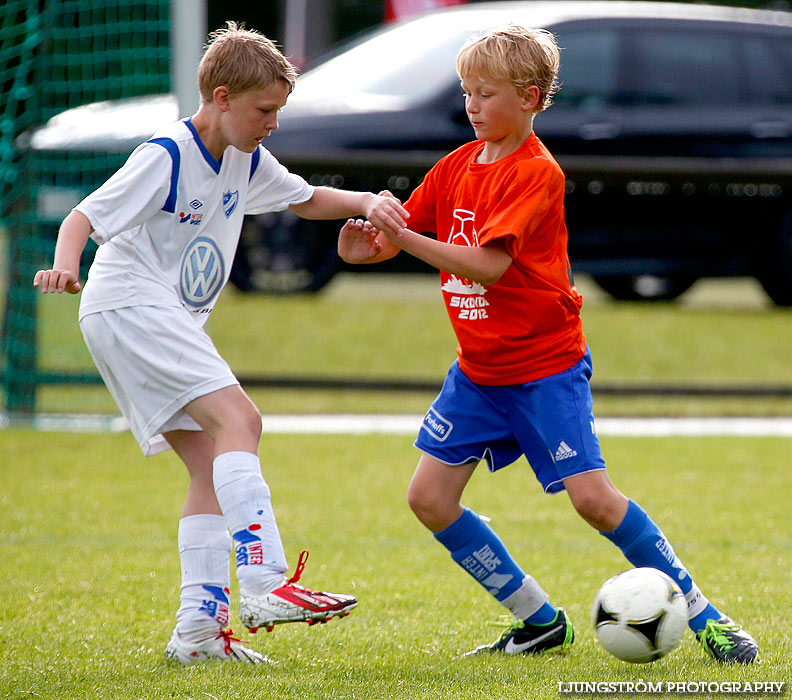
168,221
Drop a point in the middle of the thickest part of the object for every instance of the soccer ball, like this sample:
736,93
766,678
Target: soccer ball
639,615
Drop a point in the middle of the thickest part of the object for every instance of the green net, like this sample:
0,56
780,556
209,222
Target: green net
55,55
20,38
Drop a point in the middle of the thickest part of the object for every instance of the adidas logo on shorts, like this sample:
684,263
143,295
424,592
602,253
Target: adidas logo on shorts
564,451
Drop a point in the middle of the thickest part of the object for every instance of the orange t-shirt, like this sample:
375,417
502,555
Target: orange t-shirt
527,325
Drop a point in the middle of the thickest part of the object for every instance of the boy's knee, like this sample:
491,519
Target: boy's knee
415,500
604,514
244,416
253,421
433,511
597,500
587,505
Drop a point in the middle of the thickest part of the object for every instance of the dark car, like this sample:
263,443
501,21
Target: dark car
673,126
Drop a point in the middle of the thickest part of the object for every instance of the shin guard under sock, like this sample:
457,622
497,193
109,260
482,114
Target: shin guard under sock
478,550
244,498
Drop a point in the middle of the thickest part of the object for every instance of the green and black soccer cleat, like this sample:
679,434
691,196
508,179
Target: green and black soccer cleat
727,642
524,638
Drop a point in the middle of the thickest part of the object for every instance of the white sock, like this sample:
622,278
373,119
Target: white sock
244,498
526,600
204,551
696,602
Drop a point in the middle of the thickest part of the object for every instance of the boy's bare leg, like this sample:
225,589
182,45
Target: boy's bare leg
229,418
596,499
435,492
196,450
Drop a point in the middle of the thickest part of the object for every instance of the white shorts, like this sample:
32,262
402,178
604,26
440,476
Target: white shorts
154,360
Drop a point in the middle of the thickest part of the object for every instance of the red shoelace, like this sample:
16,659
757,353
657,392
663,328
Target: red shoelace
228,637
300,567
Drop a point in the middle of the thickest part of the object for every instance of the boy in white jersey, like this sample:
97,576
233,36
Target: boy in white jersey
168,224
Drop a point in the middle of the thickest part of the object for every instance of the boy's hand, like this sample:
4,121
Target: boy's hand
64,276
57,281
357,242
387,214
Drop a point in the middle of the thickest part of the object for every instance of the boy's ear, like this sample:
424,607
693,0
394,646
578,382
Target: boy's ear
222,98
531,98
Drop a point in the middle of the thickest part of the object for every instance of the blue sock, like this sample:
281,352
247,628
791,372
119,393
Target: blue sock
644,544
698,622
544,616
478,550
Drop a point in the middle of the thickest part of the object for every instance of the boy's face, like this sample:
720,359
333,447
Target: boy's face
495,107
251,116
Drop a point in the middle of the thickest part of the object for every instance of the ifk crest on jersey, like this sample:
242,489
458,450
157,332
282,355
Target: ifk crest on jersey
230,200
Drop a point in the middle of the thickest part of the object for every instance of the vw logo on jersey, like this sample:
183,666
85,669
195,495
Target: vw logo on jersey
202,272
230,200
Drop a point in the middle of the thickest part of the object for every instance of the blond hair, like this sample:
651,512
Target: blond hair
241,59
524,57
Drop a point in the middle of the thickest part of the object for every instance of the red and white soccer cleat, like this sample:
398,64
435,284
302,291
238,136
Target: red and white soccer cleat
292,603
223,647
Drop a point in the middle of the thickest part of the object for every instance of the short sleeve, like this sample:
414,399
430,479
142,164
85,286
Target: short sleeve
135,193
421,205
272,187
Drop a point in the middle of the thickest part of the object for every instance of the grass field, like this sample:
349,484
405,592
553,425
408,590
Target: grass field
88,563
89,569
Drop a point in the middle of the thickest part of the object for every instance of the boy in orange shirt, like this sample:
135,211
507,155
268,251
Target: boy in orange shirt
521,381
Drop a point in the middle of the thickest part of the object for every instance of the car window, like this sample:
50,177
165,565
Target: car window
399,63
588,68
684,67
768,67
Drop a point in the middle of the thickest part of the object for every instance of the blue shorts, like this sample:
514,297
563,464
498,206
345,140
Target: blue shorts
550,421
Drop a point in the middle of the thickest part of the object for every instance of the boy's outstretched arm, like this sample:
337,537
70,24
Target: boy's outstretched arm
64,276
384,211
485,265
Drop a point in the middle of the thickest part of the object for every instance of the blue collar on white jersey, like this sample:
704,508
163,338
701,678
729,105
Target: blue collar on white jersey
208,157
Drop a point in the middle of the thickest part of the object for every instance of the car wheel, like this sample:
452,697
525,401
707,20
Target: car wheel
776,274
644,287
282,254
